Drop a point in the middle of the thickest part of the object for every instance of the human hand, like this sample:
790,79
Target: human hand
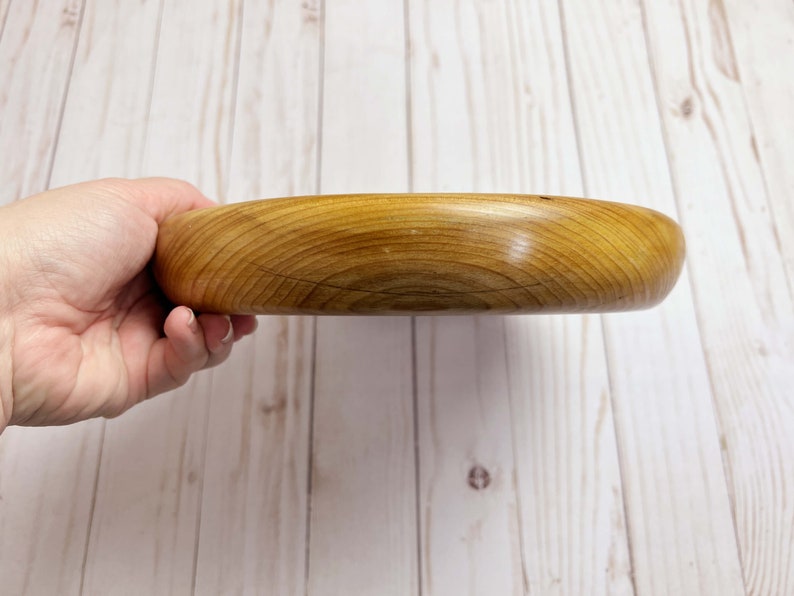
84,330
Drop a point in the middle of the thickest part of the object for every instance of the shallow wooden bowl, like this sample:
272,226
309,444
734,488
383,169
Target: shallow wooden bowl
419,253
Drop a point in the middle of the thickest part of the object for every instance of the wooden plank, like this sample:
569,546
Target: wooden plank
735,254
253,516
34,84
572,511
490,113
254,500
47,478
467,489
149,487
678,511
42,531
758,37
104,125
4,5
363,492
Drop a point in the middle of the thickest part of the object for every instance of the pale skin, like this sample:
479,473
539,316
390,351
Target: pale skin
84,330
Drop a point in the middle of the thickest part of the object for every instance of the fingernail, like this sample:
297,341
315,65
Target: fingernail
230,333
191,322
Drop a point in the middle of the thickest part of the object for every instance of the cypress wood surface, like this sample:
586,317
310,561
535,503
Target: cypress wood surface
425,253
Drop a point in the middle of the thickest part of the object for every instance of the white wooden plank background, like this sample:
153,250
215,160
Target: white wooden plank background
643,453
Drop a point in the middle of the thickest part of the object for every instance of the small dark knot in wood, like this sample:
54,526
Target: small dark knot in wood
686,107
479,478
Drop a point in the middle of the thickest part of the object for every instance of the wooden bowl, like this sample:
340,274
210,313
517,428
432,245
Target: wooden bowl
402,254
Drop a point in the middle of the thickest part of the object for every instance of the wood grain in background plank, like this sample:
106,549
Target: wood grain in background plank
363,493
4,5
104,125
678,511
36,52
490,113
467,491
46,475
762,38
47,481
107,142
742,294
572,511
145,522
254,507
573,524
253,517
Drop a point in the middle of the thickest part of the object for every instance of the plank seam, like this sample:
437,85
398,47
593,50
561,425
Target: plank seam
313,379
62,109
310,464
320,99
94,492
152,76
408,94
761,161
516,458
583,174
414,374
225,185
417,470
5,18
730,489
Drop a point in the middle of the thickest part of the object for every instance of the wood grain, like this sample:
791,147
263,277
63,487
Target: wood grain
401,254
4,4
490,112
255,491
362,497
43,529
748,333
677,510
468,497
470,536
152,460
102,133
35,80
759,36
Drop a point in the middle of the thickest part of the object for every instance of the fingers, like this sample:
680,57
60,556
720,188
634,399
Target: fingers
218,336
243,325
221,331
191,344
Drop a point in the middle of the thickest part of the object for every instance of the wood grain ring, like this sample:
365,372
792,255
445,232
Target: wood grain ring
419,253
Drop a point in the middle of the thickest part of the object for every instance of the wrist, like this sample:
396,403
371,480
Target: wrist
6,328
6,371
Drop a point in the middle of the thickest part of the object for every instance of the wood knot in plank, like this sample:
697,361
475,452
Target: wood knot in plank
479,478
687,108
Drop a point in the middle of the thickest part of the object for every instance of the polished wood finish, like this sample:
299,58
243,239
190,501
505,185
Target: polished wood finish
419,253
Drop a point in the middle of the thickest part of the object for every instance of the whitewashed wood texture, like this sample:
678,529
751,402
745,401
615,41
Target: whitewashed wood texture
362,534
255,494
664,417
43,524
646,453
504,394
760,36
747,333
